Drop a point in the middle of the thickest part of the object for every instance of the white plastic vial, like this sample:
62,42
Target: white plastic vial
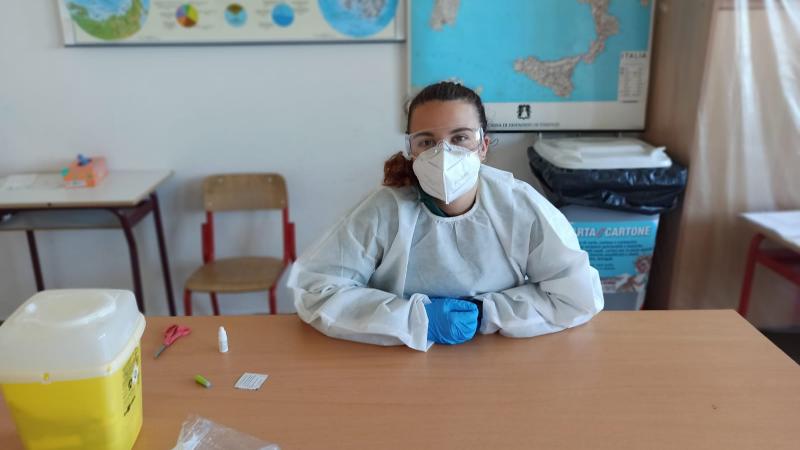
222,336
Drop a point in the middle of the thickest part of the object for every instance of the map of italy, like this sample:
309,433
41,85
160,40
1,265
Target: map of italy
557,75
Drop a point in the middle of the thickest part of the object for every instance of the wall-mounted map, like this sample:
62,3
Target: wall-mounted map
121,22
539,64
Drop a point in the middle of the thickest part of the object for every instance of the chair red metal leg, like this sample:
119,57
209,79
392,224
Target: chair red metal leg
273,303
749,271
214,304
187,302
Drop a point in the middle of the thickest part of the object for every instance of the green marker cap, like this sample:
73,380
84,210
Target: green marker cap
202,381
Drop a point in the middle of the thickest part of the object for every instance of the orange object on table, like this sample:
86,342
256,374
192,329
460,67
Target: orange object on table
85,172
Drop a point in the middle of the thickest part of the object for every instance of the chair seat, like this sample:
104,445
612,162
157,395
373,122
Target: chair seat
245,274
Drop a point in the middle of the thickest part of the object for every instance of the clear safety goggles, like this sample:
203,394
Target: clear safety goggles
470,138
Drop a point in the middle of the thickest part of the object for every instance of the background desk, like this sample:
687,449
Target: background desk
781,228
626,380
122,200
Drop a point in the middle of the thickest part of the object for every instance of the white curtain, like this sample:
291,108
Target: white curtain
745,156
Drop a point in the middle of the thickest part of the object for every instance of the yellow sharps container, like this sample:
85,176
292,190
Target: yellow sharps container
70,369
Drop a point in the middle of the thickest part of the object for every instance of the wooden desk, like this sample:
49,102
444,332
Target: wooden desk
626,380
122,200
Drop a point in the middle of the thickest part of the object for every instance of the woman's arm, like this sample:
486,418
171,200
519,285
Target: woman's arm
561,291
330,282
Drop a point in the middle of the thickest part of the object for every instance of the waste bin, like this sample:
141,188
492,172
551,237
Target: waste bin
612,191
623,174
620,246
71,369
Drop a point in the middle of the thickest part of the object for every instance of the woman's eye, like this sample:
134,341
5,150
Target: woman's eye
425,143
458,138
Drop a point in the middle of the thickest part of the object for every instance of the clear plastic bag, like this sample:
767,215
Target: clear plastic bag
199,433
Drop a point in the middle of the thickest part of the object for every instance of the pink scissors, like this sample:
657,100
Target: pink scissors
171,335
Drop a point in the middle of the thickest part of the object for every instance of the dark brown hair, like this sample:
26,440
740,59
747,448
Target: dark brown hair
397,170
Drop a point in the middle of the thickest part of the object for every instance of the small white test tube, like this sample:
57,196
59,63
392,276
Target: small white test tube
222,337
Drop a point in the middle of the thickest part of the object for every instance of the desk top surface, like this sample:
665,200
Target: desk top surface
650,379
121,188
780,226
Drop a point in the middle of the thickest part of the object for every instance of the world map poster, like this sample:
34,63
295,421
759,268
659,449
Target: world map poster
126,22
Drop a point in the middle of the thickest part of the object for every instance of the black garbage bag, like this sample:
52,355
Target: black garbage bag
643,191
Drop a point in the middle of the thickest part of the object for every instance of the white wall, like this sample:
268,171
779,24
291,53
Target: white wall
325,116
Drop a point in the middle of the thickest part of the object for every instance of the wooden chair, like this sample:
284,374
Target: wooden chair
237,192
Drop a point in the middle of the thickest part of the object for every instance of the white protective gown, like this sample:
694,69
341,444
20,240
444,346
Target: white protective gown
369,277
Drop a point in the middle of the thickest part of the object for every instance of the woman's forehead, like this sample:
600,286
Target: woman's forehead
442,114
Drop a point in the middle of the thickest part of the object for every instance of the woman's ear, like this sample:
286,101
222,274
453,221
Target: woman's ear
484,148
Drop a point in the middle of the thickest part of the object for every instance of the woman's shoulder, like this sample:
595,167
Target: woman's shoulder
385,199
519,199
515,190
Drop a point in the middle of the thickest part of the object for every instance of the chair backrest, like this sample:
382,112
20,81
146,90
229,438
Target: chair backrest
244,191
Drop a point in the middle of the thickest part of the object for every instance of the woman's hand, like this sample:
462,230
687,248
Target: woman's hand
451,320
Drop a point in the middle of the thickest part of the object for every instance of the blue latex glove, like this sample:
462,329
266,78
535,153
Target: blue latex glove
451,320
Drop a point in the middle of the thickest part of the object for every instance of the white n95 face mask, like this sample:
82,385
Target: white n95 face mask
447,171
